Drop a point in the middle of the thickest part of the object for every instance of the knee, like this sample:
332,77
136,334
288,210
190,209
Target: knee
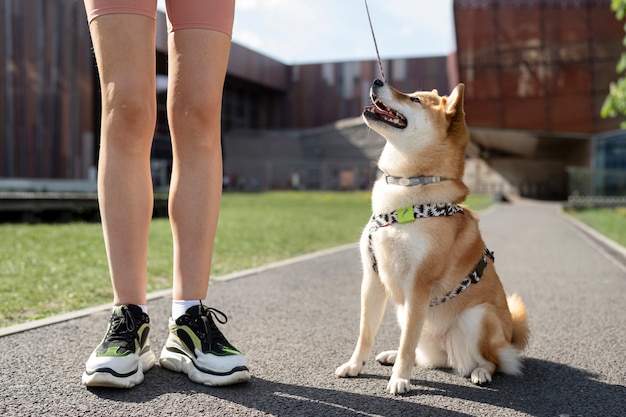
128,120
195,116
129,108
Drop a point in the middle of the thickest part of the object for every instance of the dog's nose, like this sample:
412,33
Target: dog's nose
378,83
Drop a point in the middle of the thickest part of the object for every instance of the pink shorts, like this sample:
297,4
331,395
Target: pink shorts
181,14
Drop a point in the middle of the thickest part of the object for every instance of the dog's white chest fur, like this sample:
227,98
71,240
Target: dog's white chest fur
399,252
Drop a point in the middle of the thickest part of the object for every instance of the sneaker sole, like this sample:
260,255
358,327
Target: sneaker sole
178,362
107,378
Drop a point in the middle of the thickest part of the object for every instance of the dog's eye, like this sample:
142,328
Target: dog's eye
415,100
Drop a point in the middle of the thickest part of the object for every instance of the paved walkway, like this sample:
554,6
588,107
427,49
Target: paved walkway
298,322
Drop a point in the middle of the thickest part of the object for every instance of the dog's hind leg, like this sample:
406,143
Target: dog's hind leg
373,301
430,354
477,345
387,357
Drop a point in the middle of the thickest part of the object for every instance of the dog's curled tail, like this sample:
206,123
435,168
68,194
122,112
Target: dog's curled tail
521,331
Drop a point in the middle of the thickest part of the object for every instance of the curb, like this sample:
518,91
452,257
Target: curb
31,325
608,247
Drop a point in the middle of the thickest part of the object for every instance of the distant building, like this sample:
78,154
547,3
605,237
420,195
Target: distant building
50,105
47,90
536,72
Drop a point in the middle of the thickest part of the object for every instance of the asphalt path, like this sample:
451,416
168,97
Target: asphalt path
298,321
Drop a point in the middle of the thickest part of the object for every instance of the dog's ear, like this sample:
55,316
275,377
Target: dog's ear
455,113
454,102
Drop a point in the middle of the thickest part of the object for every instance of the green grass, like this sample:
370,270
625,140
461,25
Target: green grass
47,269
478,202
608,221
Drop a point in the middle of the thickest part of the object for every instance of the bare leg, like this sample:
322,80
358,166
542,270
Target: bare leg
198,59
127,79
124,48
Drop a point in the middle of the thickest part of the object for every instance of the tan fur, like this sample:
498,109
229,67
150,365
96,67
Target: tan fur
476,332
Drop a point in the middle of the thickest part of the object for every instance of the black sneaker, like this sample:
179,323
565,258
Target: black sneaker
196,347
124,354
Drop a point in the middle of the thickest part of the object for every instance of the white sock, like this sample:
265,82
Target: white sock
180,307
143,308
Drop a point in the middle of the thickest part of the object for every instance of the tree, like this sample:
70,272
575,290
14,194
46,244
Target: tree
615,102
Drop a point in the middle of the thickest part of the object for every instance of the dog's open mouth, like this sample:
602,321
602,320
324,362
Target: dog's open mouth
379,111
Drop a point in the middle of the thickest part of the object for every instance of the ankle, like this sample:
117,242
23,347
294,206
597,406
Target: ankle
180,307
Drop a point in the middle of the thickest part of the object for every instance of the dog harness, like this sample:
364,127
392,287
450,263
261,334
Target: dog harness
409,214
472,278
406,215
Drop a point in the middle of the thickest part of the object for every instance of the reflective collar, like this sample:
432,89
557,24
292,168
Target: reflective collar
412,181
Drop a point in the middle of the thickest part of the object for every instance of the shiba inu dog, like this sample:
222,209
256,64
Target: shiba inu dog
425,252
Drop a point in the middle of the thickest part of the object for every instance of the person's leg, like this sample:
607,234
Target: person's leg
197,66
124,48
198,58
124,45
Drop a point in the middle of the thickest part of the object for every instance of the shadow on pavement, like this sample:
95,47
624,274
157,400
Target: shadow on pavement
546,389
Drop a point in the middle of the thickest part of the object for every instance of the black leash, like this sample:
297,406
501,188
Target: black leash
380,64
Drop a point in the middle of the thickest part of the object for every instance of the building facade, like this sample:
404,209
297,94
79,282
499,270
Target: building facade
47,90
537,72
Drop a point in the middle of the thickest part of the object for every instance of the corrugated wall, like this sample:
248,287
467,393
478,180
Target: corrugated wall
46,90
323,93
542,65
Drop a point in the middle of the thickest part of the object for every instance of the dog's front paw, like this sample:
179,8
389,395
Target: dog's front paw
480,376
387,358
349,369
398,385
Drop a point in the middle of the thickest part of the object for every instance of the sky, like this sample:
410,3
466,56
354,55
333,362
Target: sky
313,31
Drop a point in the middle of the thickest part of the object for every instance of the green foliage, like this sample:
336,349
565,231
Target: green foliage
615,102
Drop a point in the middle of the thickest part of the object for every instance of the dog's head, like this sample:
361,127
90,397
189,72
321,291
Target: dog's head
424,128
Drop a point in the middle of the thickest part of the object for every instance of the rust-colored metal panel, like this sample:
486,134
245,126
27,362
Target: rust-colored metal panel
547,53
475,36
569,79
604,25
481,83
604,50
260,69
564,25
518,27
323,93
48,89
524,113
523,81
570,113
481,112
569,52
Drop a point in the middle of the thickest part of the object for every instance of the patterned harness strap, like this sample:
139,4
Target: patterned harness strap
406,215
409,214
472,278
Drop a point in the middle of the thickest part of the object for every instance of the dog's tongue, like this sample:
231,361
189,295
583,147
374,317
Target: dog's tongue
373,109
377,110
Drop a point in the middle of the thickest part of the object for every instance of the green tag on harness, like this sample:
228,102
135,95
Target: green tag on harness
405,215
